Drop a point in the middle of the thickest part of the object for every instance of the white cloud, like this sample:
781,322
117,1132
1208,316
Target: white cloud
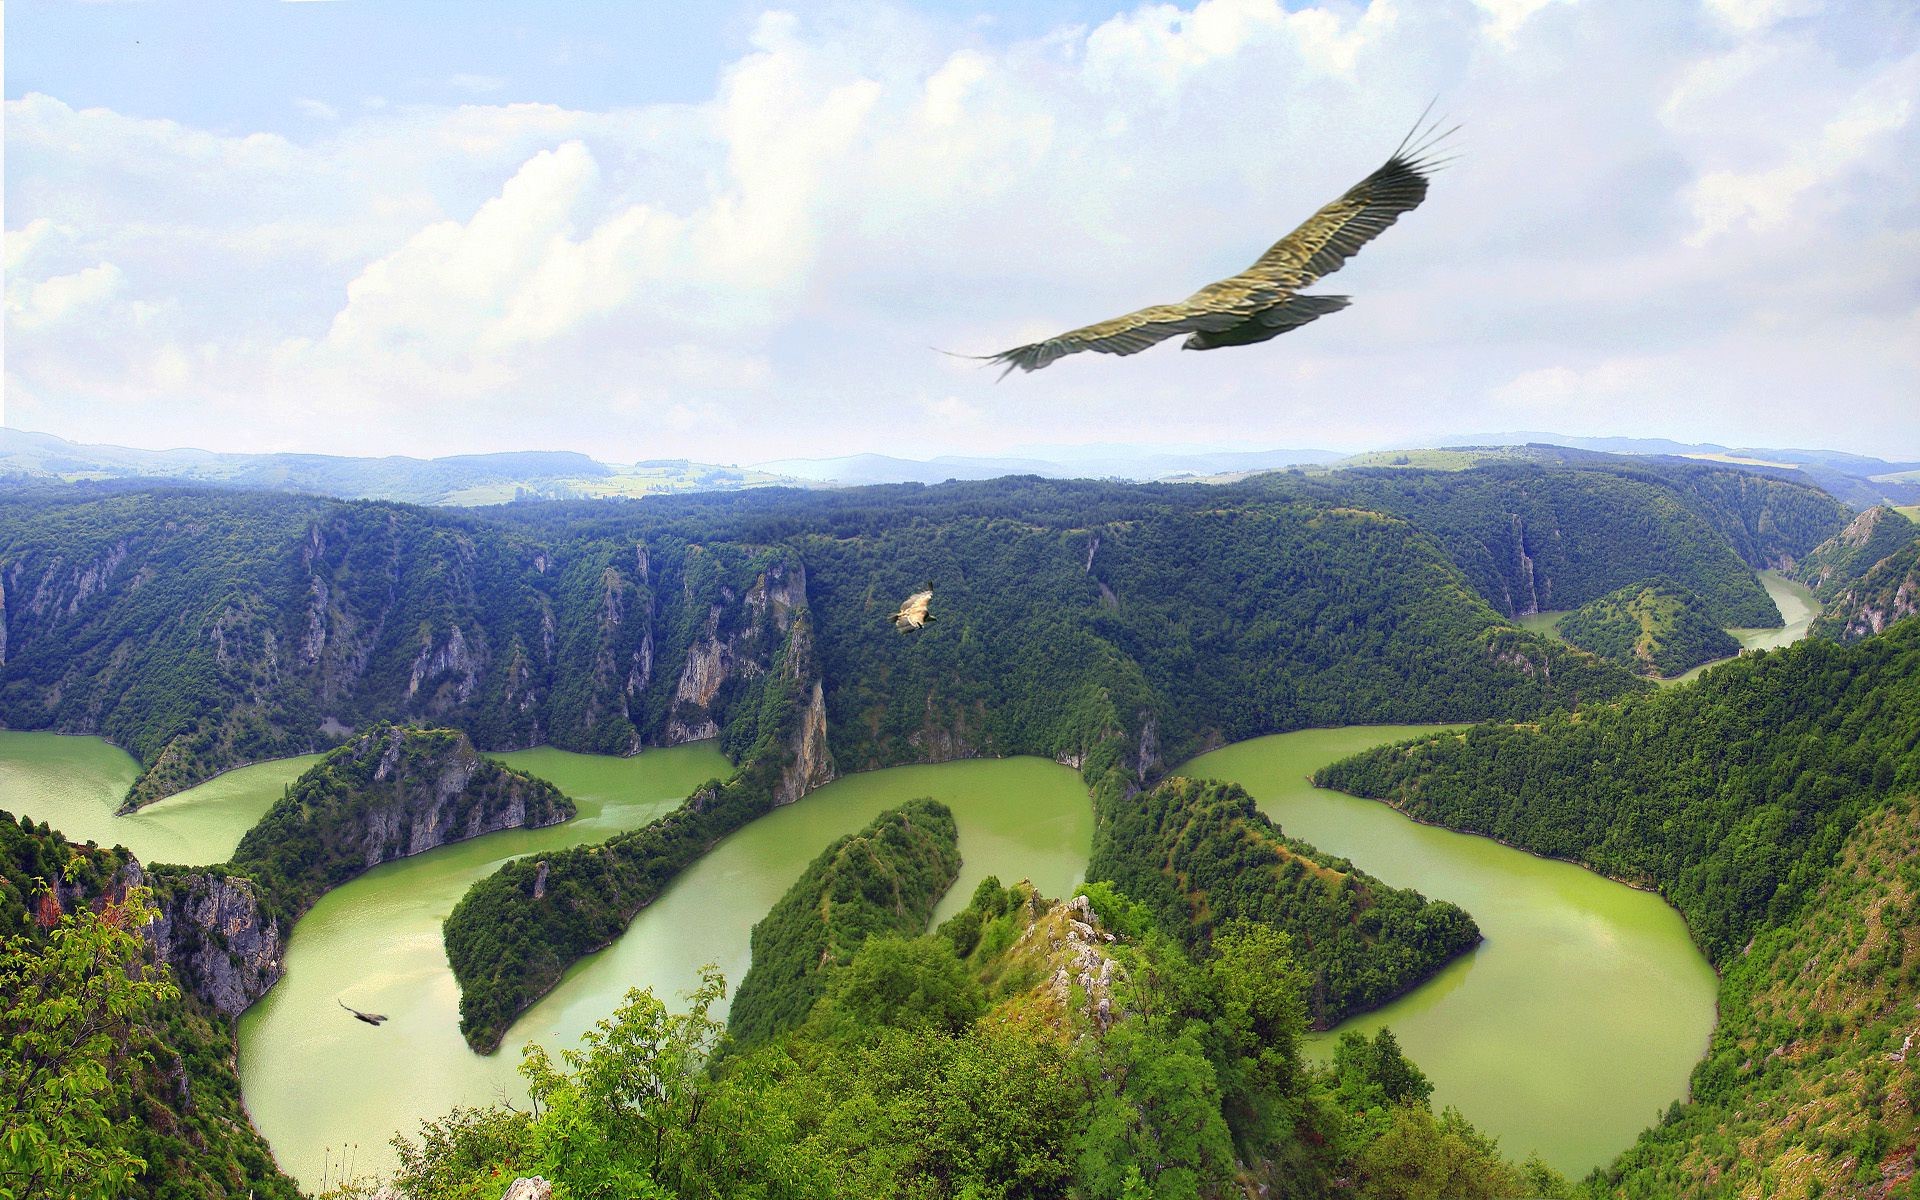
1751,16
1764,199
51,301
1665,213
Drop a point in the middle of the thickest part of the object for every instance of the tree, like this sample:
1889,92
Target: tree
73,1002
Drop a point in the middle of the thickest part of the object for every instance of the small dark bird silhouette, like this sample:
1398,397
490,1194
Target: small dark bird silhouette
913,614
1263,301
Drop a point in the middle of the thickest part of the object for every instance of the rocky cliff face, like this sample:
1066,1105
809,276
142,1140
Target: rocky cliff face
736,644
1846,557
1887,593
1063,946
211,928
808,762
222,943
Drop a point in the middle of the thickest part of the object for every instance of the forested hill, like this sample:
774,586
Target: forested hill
389,792
1731,794
1843,559
1654,627
1771,802
201,629
1533,538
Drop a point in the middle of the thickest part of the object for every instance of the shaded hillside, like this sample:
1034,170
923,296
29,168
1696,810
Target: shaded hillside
1655,628
1533,538
200,630
1175,629
1202,856
885,879
1846,557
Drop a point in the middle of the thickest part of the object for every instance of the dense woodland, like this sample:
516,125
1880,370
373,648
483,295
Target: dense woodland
883,880
1656,627
386,793
200,629
1843,559
1732,796
1201,856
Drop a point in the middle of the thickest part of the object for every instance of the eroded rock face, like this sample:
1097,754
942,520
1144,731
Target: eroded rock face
809,762
739,640
426,788
1862,618
221,943
211,928
708,665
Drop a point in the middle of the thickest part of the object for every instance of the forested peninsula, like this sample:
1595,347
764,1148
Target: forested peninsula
1656,627
882,881
1201,856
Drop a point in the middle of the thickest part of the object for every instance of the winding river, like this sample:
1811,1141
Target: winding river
1577,1020
1565,1033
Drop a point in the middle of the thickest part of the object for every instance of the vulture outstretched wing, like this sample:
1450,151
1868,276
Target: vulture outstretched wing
1326,240
1261,302
1148,327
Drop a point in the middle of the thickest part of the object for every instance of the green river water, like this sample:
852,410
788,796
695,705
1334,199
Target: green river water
1566,1032
75,783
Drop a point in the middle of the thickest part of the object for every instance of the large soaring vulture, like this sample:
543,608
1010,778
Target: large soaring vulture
1263,301
913,614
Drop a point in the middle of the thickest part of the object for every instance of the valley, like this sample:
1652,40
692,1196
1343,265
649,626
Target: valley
1132,681
1796,602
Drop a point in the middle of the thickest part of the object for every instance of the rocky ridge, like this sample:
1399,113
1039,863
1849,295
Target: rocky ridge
390,792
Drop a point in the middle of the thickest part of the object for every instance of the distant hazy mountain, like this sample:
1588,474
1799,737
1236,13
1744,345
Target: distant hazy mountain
1057,462
475,479
1858,479
461,479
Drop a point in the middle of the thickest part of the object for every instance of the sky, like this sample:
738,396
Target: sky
735,232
